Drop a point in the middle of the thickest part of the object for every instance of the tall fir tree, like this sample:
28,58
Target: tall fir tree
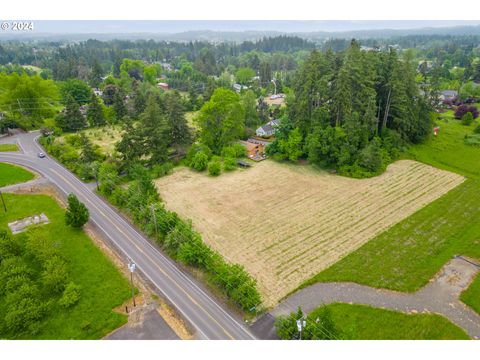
72,119
95,115
156,132
119,105
180,134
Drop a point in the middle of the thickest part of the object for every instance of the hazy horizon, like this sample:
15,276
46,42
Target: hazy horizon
178,26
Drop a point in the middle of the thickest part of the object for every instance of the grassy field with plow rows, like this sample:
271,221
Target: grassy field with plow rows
287,223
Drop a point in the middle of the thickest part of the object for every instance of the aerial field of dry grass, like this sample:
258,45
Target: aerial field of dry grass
286,223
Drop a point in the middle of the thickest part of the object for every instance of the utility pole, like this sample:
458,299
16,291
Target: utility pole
274,84
152,209
20,106
131,267
301,323
3,202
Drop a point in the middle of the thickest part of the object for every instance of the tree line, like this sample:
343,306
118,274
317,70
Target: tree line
353,111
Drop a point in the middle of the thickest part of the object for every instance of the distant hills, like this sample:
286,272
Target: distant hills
240,36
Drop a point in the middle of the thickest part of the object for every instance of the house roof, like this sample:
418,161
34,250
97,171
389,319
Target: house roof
270,125
449,93
267,127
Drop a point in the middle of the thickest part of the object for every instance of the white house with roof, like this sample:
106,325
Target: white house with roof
448,94
268,129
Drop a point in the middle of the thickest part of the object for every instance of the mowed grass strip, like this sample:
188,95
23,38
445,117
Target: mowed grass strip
407,255
103,287
447,150
11,174
360,322
471,296
8,147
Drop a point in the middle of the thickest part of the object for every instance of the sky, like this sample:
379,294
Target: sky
176,26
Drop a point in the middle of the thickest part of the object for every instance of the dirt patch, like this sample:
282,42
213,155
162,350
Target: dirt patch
21,225
287,223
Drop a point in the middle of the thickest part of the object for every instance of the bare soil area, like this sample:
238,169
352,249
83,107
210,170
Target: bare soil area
286,223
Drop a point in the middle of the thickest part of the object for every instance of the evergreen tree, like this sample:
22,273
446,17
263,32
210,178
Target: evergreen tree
109,94
119,106
312,90
156,131
131,146
72,119
77,213
95,113
265,73
175,113
209,89
139,102
96,74
87,151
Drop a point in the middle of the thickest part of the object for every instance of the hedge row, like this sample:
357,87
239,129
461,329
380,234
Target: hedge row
178,238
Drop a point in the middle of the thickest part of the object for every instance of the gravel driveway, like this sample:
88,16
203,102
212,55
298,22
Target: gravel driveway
440,295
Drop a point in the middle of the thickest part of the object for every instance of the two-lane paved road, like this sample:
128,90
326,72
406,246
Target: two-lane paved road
204,313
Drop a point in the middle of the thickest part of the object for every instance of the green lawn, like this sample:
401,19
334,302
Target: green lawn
447,150
407,255
102,286
471,296
360,322
8,147
10,174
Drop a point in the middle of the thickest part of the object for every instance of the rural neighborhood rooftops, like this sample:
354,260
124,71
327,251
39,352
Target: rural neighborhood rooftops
239,87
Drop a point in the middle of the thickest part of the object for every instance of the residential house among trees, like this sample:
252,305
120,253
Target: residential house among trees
268,129
448,95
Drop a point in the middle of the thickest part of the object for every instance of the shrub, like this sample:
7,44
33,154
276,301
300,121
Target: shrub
199,161
70,296
372,157
23,308
463,109
54,275
214,167
228,151
12,267
194,252
235,150
237,284
193,150
467,119
477,129
472,140
229,164
162,170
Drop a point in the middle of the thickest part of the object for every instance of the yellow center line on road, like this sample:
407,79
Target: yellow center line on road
148,257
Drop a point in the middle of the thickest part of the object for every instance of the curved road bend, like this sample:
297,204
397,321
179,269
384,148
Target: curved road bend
203,312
